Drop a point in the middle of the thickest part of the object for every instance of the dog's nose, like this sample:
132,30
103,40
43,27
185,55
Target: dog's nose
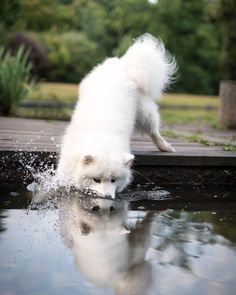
108,197
95,208
112,209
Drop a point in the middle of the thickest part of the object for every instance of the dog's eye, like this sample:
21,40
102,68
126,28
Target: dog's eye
113,180
97,180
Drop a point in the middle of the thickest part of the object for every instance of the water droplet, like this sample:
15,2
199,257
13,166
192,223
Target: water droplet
14,194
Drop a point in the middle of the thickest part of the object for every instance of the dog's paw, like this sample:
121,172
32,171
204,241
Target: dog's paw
166,147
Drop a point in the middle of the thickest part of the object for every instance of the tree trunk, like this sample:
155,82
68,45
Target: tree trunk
227,110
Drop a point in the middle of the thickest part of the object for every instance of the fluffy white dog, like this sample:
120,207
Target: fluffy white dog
116,98
109,251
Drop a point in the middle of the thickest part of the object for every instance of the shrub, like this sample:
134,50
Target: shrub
70,56
37,53
14,76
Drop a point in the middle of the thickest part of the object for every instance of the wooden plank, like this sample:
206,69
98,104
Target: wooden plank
17,134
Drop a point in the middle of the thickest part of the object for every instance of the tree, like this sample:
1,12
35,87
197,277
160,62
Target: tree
9,13
185,30
111,25
224,14
189,35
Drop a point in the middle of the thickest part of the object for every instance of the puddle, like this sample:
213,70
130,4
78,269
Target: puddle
147,242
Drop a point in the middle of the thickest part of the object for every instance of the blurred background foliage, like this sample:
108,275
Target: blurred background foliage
68,37
15,71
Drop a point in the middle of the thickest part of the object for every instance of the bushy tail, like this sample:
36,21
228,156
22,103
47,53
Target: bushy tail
149,65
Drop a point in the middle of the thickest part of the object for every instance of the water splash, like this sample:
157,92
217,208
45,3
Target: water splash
47,188
50,190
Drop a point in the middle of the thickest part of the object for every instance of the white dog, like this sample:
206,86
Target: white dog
107,250
116,98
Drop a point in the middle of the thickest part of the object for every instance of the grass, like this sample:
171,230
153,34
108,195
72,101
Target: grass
198,138
210,118
53,92
68,93
189,100
61,92
50,92
193,138
230,148
177,116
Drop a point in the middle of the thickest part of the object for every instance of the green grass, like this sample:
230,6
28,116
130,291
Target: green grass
50,92
190,116
189,100
53,92
176,116
230,148
198,138
68,93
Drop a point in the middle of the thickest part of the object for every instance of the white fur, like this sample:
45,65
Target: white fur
108,254
117,97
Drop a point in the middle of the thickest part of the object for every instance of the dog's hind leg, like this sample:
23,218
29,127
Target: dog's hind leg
148,121
161,143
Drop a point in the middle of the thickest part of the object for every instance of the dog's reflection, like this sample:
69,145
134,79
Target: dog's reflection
107,251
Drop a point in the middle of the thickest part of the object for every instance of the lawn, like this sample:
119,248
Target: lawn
60,92
203,117
202,113
189,100
68,93
63,92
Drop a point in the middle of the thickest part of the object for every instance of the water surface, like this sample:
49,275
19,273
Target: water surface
99,246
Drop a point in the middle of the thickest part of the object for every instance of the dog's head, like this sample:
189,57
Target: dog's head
103,174
86,215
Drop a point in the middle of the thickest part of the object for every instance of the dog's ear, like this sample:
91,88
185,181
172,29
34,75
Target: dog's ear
87,159
128,159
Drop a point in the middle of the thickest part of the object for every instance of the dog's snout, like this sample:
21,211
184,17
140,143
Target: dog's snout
95,208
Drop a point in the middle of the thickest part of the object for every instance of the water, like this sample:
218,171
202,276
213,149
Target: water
96,246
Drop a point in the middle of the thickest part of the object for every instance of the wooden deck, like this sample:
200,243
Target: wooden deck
22,139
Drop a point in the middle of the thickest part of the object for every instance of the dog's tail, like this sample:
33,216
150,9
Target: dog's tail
149,65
